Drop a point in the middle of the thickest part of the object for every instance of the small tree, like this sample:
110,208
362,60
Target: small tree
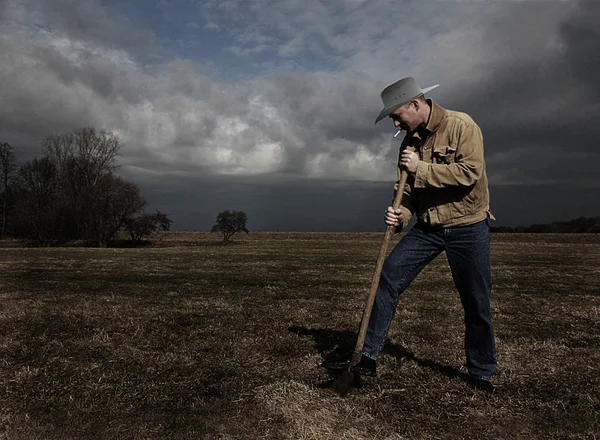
230,222
143,225
115,200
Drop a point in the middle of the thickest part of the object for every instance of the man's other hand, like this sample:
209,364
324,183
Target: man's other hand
393,218
410,161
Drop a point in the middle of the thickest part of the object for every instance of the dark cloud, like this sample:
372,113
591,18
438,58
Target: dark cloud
581,36
536,98
272,204
288,204
62,62
88,20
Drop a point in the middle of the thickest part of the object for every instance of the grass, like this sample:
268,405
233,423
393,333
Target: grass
191,339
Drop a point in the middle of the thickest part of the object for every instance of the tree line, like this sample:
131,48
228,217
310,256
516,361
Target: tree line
72,192
577,225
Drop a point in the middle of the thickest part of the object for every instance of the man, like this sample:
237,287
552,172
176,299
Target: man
447,190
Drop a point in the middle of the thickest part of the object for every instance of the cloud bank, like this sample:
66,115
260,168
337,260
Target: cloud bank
304,92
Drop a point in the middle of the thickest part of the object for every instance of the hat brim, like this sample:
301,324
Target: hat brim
387,111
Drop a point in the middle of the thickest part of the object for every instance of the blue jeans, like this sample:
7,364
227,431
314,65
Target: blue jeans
468,252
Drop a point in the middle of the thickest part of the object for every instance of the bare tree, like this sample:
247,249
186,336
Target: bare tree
84,157
95,151
38,205
8,167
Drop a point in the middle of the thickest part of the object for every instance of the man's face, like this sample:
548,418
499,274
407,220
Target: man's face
406,117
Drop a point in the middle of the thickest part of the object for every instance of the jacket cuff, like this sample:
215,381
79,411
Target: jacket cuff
421,175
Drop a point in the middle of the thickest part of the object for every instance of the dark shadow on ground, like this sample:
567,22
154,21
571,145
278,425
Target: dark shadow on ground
337,345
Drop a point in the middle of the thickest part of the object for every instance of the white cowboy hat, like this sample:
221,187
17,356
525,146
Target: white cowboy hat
400,93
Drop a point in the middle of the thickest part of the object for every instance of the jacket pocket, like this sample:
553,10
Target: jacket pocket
443,154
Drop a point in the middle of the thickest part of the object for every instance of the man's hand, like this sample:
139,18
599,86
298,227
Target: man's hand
393,218
410,161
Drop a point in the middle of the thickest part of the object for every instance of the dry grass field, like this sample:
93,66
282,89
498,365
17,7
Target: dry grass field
191,339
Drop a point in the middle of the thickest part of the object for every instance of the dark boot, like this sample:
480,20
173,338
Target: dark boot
481,384
365,367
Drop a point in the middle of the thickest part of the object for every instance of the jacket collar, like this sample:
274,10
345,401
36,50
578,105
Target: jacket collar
436,116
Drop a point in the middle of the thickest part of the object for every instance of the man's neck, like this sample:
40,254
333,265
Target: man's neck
426,114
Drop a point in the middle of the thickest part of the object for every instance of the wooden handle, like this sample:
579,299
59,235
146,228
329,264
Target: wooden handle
364,324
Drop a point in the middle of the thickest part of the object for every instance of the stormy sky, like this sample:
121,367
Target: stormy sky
268,106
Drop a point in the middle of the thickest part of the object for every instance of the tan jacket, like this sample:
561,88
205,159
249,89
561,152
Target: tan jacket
450,187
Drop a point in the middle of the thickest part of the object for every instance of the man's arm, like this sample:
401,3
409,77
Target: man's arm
465,171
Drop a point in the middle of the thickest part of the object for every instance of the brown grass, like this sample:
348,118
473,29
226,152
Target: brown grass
192,339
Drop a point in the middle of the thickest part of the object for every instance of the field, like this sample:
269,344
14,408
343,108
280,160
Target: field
192,339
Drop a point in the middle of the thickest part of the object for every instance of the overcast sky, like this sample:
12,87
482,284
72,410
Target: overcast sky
268,106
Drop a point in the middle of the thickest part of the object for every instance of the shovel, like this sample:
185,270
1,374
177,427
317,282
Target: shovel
344,381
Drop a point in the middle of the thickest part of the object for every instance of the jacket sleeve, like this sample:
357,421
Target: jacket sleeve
467,167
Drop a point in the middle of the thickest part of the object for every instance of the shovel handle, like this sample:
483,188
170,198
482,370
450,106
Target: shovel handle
364,324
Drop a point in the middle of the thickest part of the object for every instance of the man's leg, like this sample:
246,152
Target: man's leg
468,251
403,264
